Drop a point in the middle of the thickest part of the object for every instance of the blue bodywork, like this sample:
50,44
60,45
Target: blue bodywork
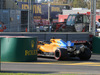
64,44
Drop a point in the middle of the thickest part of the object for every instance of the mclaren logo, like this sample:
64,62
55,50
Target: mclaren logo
32,43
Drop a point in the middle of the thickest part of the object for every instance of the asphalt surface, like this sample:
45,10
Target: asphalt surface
46,65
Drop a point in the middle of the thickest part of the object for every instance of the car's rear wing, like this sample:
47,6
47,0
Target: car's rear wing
79,42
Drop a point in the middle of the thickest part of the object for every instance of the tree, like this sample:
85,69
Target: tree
89,4
60,1
98,4
79,3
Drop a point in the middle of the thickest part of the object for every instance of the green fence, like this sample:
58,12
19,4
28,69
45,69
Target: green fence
96,45
18,49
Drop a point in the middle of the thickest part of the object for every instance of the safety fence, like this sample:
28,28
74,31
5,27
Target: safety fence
17,21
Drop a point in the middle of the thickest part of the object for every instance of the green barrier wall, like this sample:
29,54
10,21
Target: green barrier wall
96,45
18,49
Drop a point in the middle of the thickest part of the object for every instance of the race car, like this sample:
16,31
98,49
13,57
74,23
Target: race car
62,50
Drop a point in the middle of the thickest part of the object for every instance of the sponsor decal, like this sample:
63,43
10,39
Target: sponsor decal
32,44
30,52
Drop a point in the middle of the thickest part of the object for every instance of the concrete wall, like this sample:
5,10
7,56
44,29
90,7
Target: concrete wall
48,35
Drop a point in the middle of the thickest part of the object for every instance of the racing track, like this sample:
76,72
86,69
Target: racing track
46,65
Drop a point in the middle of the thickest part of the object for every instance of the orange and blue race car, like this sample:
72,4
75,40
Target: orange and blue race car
62,50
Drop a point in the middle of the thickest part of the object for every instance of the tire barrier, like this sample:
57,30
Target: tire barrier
96,45
18,48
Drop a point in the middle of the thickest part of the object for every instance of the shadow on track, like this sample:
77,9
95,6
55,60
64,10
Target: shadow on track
94,58
36,72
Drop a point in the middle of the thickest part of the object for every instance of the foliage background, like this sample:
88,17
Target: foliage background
78,3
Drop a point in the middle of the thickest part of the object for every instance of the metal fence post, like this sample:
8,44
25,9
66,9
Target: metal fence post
93,17
29,10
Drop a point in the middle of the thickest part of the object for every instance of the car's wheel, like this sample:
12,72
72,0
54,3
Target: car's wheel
85,54
59,30
70,29
61,54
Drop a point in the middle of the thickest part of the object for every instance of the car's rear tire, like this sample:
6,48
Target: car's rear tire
61,54
85,54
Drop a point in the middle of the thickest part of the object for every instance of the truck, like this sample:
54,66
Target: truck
74,23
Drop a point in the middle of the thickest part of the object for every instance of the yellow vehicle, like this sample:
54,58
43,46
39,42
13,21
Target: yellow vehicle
62,50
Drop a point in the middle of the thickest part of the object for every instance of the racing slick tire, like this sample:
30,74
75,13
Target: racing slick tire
61,54
85,54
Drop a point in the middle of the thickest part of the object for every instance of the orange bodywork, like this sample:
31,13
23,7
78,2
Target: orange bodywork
50,47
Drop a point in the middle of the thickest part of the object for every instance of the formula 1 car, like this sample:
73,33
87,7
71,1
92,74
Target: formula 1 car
62,50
